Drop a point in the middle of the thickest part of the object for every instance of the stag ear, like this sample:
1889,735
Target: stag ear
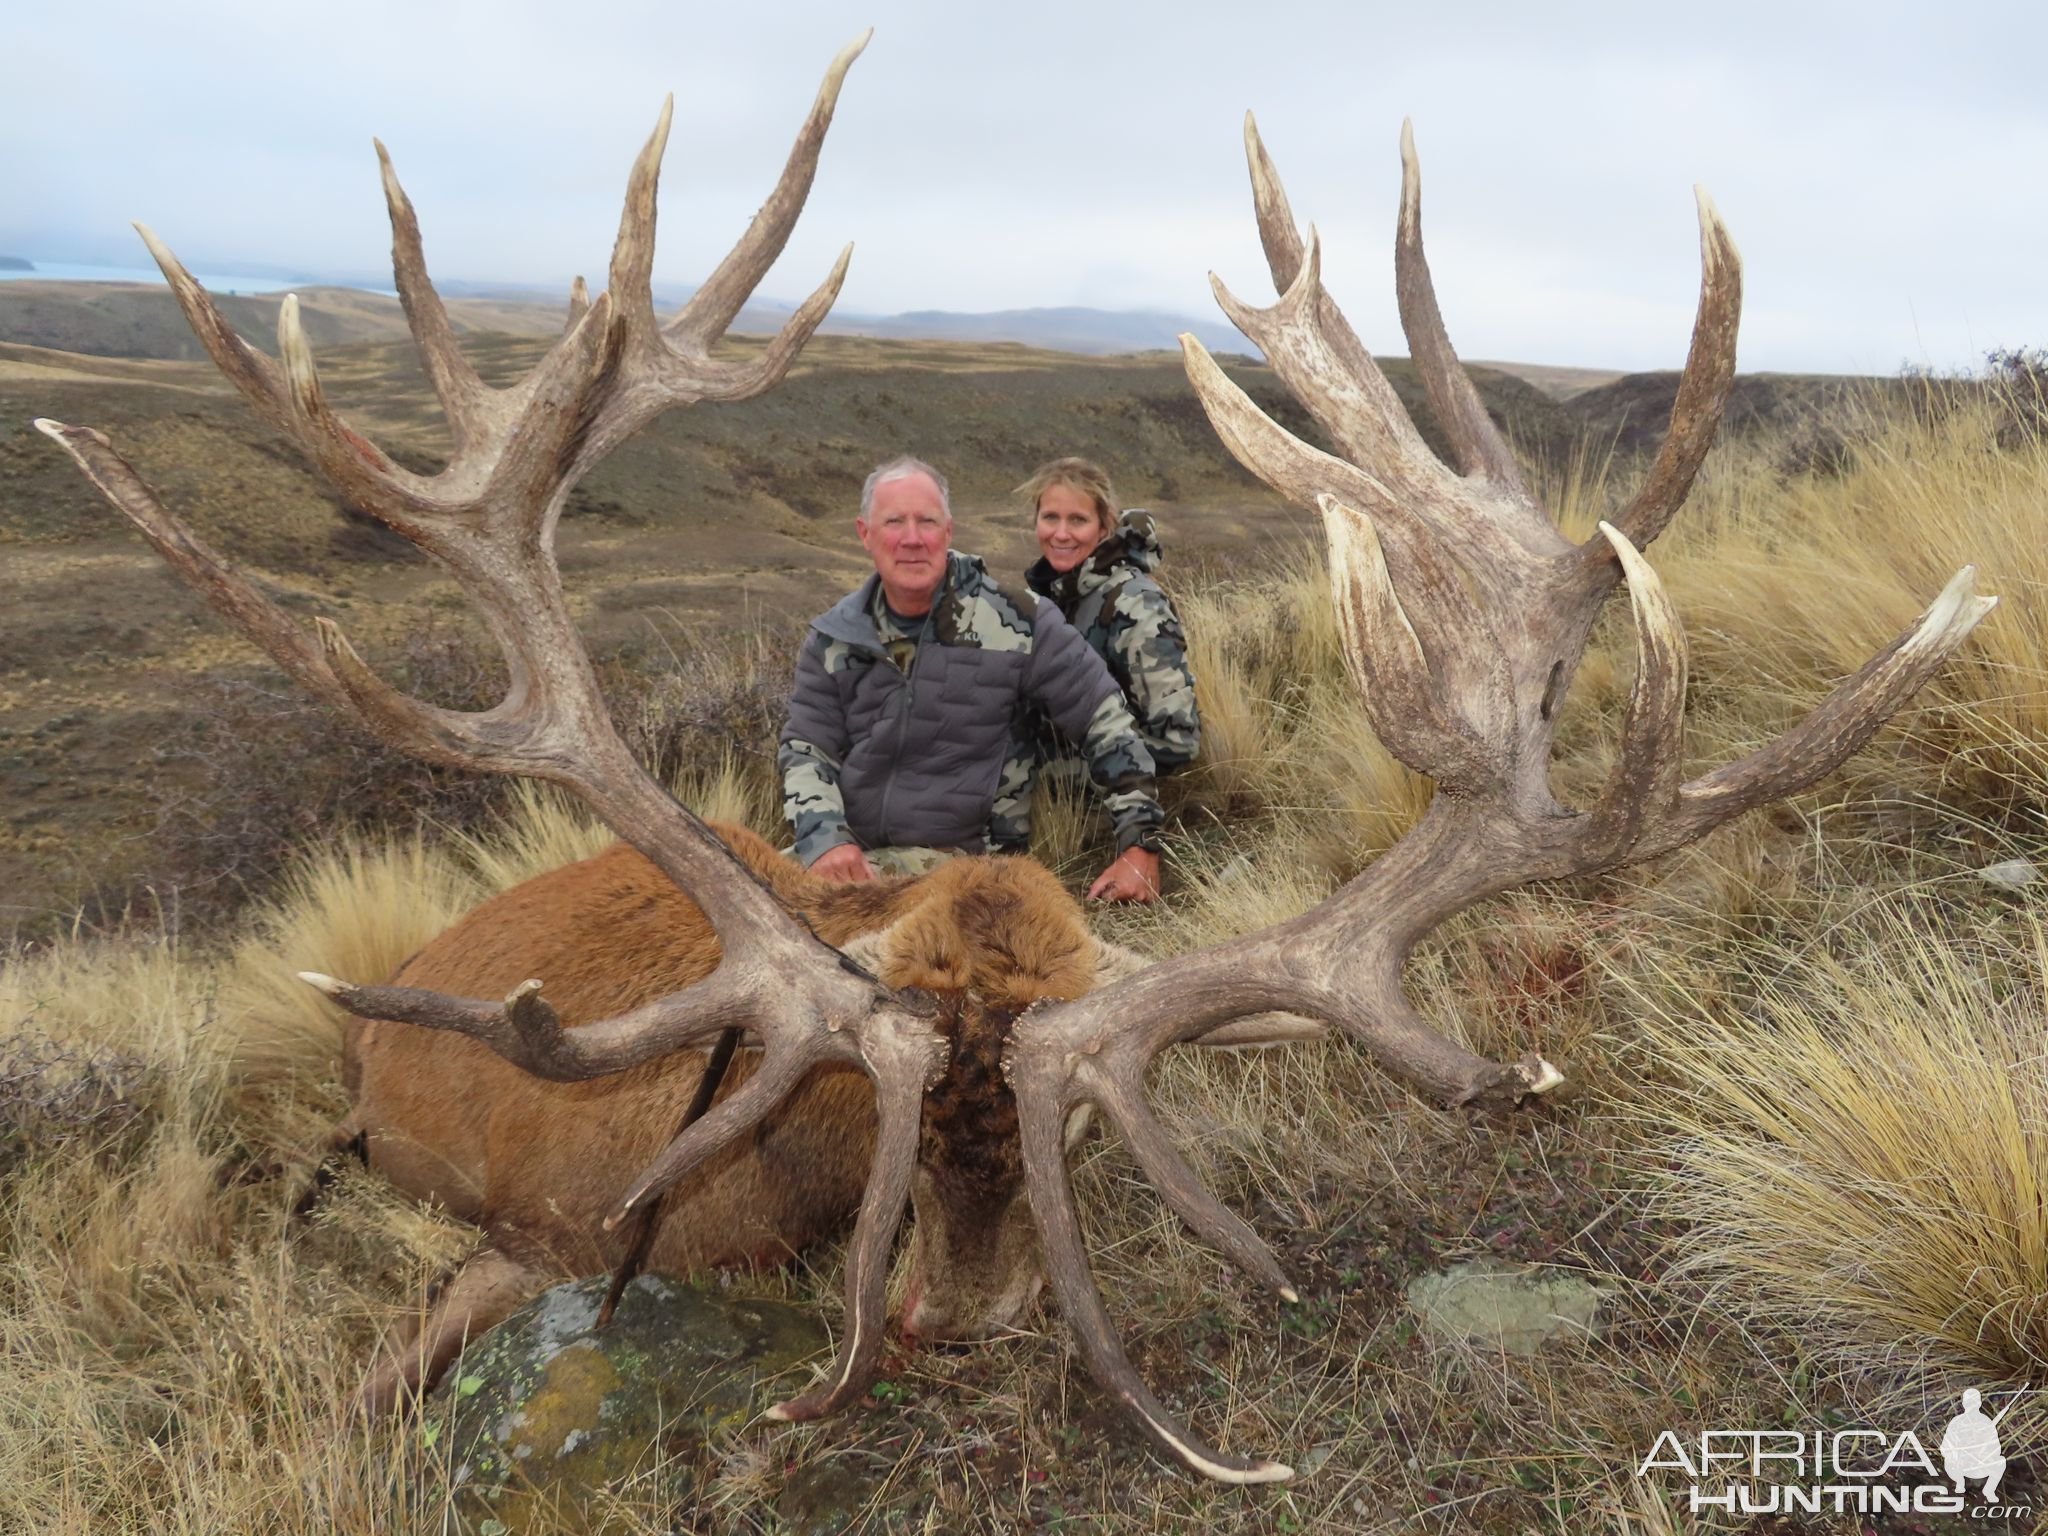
1113,962
866,949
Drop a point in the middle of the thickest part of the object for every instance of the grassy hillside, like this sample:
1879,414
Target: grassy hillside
715,517
1801,1156
142,320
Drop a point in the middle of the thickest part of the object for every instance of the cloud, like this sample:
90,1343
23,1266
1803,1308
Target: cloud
1874,168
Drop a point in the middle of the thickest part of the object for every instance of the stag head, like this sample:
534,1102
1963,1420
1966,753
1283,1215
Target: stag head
1464,610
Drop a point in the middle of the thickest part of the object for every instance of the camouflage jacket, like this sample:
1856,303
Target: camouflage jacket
1113,601
883,755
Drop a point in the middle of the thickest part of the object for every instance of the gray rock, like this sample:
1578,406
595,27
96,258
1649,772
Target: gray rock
1511,1307
545,1411
2010,874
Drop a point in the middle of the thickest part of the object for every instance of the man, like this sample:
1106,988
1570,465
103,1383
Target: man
906,724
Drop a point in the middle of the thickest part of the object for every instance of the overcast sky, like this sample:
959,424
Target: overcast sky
1880,165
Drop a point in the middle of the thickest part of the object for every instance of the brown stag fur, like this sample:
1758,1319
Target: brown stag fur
538,1163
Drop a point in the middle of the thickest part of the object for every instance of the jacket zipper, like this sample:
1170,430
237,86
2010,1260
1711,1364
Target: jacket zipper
907,694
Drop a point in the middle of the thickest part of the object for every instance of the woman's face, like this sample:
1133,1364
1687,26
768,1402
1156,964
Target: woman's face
1068,529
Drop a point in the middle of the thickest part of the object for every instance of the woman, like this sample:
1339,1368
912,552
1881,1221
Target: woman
1097,567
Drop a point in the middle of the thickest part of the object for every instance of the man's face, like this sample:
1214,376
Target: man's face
907,532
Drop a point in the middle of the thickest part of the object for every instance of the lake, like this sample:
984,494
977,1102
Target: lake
213,282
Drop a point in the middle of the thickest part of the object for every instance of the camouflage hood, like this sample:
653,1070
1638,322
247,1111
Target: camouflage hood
1129,549
1126,619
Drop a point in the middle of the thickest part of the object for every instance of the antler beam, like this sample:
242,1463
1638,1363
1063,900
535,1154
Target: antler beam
489,517
1463,612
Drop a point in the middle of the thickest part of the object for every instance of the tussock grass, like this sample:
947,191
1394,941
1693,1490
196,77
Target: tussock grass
1284,737
1816,1037
1857,1130
1788,584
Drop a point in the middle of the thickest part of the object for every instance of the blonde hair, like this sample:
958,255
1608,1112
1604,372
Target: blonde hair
1082,475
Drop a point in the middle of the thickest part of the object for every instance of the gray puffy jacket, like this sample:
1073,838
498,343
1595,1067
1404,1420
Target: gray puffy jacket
884,758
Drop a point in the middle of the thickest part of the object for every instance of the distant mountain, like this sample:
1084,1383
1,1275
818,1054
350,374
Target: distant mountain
141,320
1093,331
16,264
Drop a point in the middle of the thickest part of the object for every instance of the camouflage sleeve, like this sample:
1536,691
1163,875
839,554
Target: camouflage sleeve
1152,660
811,800
1075,688
810,769
1121,767
1009,818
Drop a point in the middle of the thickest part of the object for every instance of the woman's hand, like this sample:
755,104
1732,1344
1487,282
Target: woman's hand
844,863
1132,876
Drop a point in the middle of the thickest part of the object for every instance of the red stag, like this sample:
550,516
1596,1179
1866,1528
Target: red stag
971,1047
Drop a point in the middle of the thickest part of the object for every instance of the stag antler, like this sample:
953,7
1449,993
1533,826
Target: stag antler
1464,613
490,518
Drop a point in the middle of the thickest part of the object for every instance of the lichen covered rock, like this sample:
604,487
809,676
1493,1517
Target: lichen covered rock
546,1412
1514,1308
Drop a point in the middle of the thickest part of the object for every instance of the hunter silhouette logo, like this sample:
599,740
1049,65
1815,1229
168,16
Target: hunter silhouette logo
1969,1446
1864,1471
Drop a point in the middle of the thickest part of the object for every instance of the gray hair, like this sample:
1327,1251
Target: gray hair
902,468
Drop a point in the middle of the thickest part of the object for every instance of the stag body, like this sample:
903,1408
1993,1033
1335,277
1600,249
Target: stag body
540,1164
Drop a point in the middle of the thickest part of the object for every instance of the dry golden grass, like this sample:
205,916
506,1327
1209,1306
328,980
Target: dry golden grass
1855,1129
1823,1034
1789,584
1284,737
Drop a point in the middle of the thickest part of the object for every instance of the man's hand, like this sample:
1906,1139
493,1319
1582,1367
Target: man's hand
1134,876
846,863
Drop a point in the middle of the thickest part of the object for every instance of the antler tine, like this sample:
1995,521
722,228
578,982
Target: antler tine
525,1030
356,466
631,279
1464,676
1651,761
456,385
904,1064
1297,470
579,303
742,381
1168,1172
1347,395
712,307
246,368
1279,235
1476,443
247,609
894,1046
784,1064
1702,389
1446,707
1834,729
1041,1127
1344,389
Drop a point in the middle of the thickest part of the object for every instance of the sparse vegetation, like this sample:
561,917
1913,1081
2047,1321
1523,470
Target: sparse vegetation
1801,1158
